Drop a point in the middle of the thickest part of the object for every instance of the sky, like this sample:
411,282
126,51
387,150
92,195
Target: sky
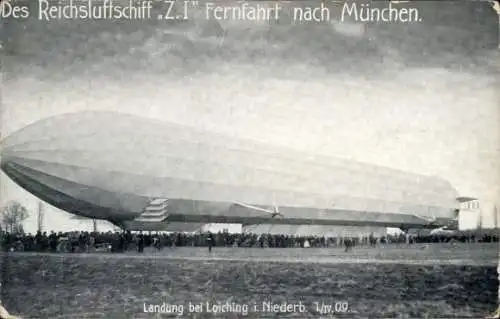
420,97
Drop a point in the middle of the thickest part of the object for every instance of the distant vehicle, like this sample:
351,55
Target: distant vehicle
442,231
103,248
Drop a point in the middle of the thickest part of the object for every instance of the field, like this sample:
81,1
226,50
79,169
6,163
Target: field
434,281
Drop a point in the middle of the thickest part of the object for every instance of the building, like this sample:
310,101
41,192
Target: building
470,215
223,228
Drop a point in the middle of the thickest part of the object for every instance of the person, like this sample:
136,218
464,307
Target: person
210,240
38,240
91,244
141,243
373,240
348,244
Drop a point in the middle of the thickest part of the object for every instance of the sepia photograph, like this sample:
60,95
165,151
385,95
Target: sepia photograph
249,159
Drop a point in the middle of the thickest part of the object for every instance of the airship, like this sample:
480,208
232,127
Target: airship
145,174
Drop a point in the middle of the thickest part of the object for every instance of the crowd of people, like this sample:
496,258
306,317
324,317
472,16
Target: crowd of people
126,241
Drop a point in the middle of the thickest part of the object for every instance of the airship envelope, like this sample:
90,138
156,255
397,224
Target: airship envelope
137,171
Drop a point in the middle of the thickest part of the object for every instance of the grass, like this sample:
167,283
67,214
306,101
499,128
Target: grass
117,286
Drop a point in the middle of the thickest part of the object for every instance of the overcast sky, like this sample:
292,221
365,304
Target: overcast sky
421,97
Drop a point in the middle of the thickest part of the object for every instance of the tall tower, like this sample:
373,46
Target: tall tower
480,220
495,216
40,217
94,223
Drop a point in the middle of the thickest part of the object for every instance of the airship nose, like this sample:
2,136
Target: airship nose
1,154
4,157
3,161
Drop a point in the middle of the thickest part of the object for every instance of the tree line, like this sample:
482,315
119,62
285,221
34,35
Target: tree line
12,217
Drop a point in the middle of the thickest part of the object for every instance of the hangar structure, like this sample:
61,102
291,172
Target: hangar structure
146,174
